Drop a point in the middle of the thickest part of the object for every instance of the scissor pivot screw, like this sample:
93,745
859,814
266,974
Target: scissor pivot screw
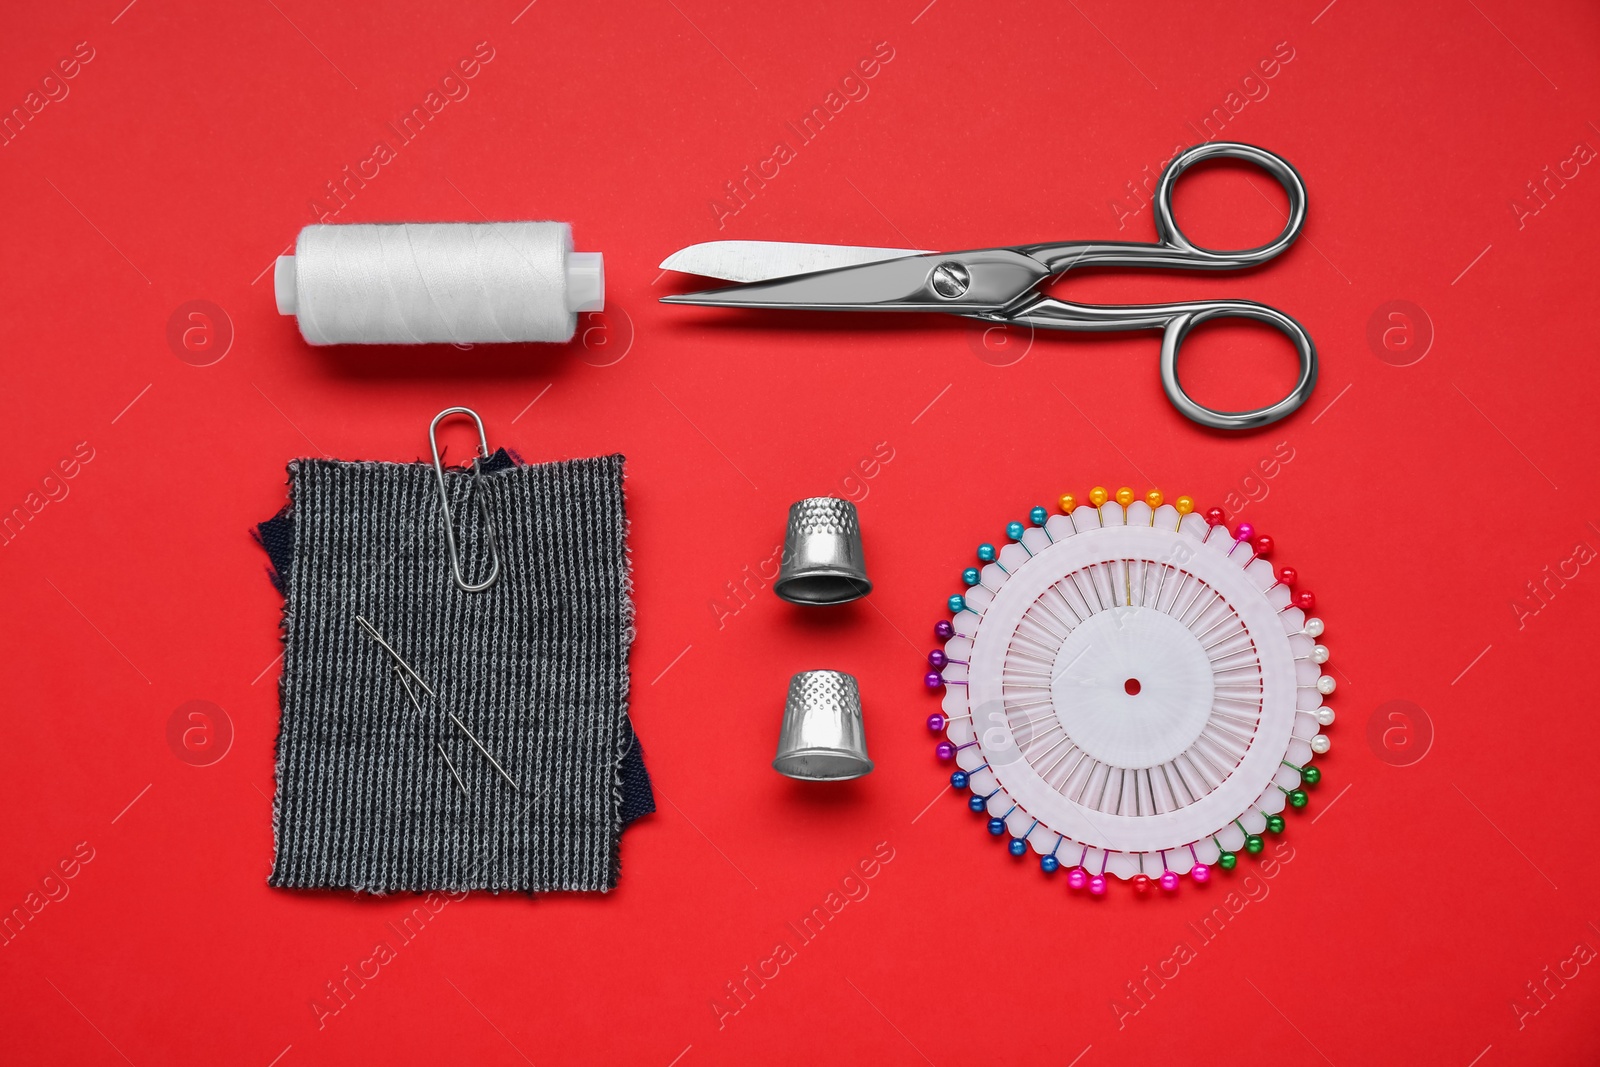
950,280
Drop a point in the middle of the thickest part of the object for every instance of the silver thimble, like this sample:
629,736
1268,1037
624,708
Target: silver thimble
822,561
822,739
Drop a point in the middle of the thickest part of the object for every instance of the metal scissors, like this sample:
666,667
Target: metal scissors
1000,284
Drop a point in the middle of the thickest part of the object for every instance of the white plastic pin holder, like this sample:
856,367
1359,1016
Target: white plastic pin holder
1131,690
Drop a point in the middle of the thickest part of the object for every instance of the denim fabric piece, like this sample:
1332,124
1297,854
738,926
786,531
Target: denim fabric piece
536,668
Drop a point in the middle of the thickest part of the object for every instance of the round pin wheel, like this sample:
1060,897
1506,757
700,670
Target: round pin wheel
1131,690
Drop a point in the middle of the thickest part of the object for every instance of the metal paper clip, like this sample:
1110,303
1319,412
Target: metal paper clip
483,509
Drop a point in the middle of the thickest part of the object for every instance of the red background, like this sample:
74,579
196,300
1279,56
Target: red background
1418,503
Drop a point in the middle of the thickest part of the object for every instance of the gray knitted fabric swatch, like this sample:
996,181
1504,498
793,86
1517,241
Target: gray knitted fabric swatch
536,668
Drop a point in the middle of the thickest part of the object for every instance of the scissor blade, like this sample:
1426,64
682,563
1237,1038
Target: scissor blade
889,285
760,261
961,283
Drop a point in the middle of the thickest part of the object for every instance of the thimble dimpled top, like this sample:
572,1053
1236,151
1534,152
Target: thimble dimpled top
822,738
822,562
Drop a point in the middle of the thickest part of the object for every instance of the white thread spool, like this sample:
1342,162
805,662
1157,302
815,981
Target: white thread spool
424,282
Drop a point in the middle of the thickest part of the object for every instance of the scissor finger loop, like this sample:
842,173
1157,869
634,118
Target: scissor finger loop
1172,235
1192,315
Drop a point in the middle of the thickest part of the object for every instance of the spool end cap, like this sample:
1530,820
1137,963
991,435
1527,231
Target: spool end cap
586,282
283,285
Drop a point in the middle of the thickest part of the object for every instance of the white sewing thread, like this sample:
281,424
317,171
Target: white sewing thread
416,283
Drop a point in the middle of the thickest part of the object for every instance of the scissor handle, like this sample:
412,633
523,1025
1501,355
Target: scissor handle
1172,235
1187,316
1175,321
1173,250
